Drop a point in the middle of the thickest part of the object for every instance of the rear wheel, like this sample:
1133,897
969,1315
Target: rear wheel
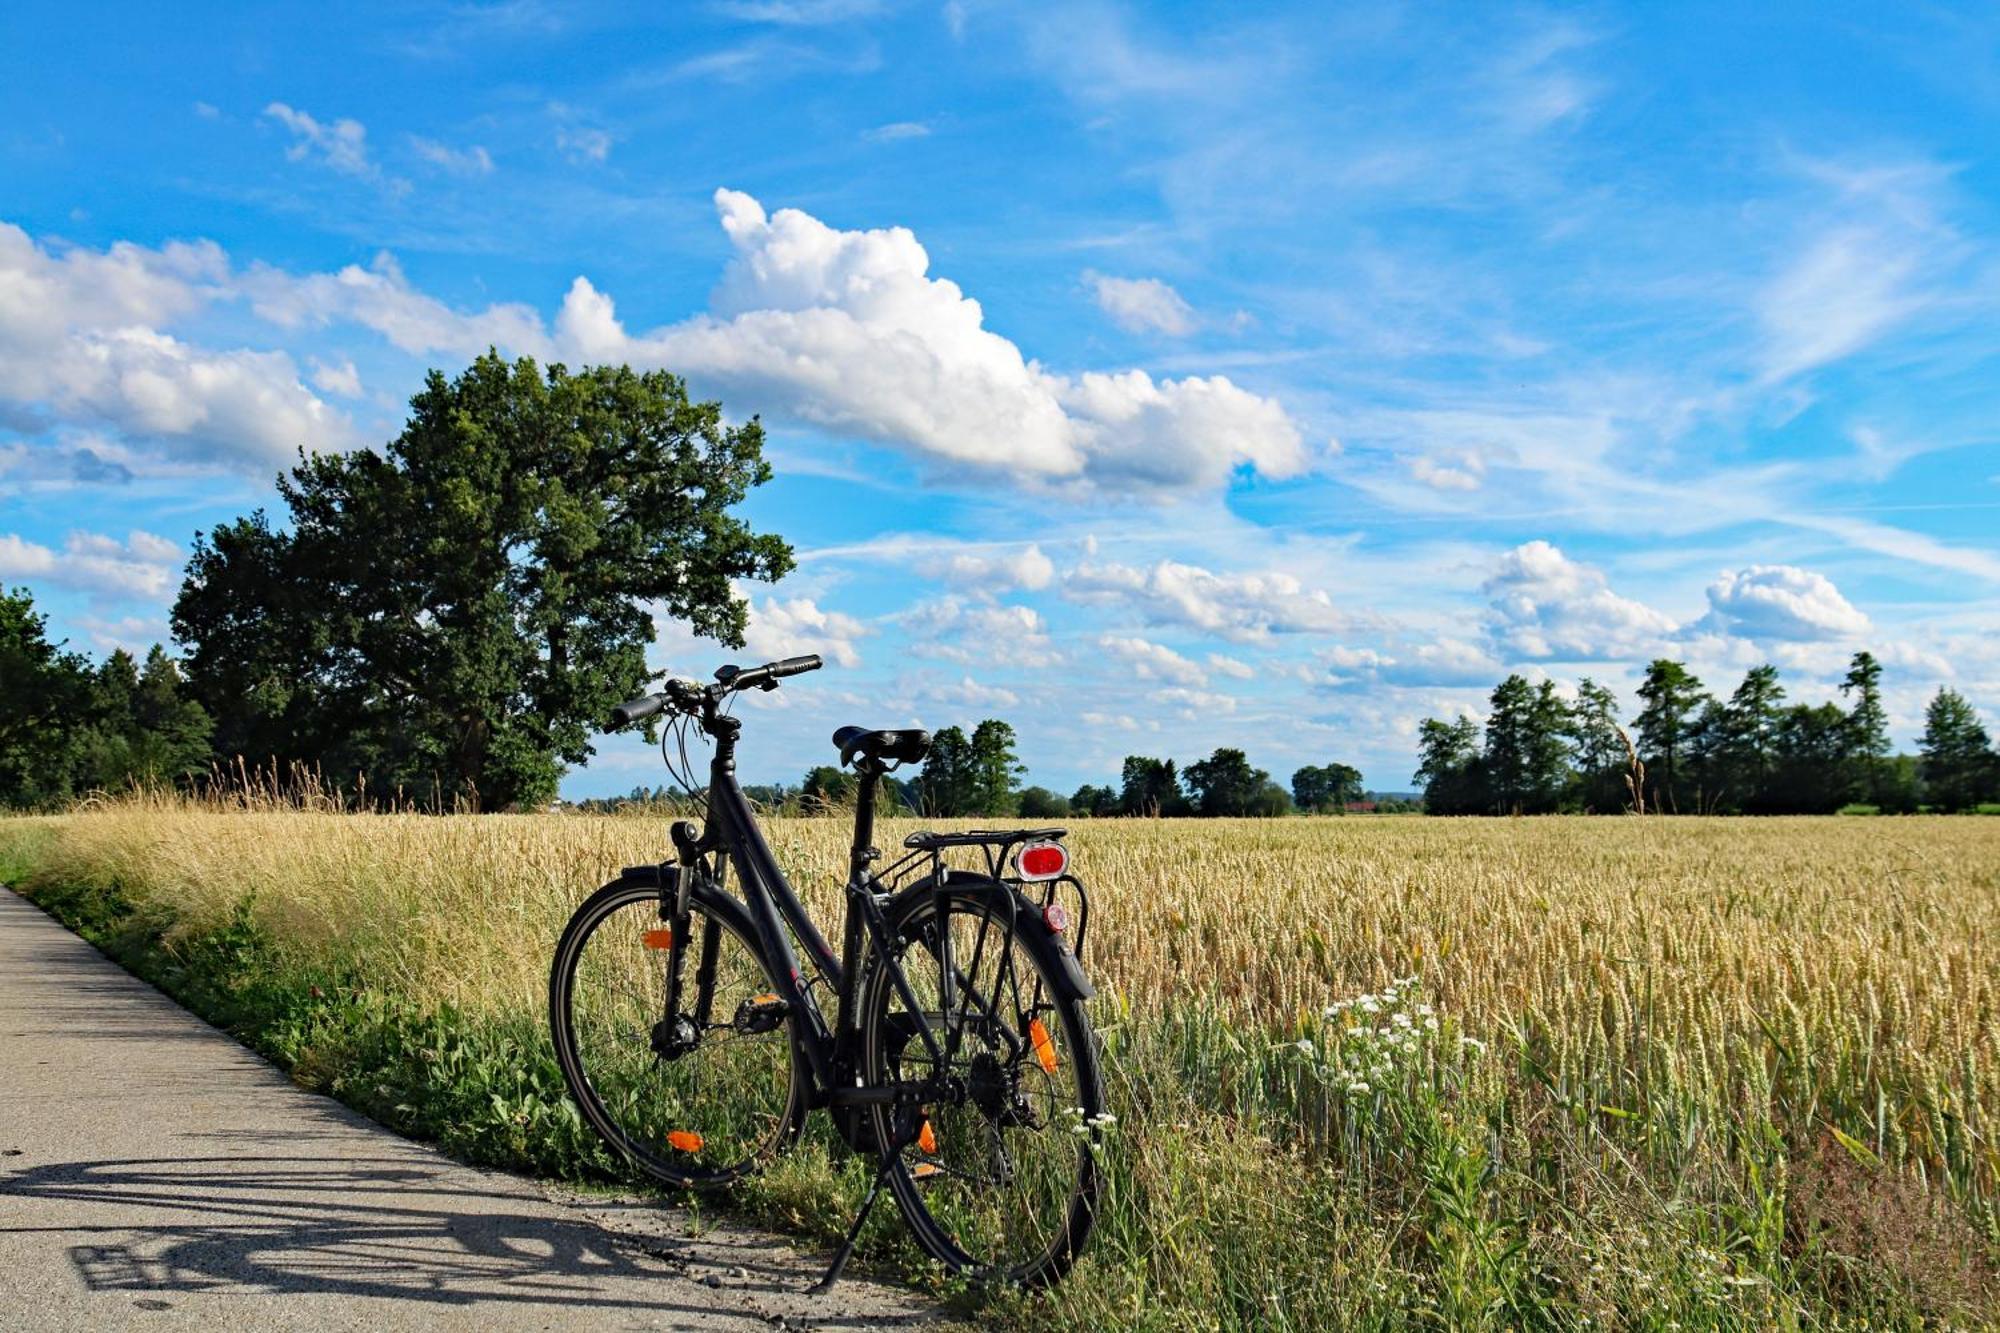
998,1179
697,1098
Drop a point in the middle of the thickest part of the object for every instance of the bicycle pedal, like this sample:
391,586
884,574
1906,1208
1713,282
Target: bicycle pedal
761,1013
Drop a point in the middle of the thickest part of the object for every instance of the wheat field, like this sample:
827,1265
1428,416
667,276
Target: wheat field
1379,1071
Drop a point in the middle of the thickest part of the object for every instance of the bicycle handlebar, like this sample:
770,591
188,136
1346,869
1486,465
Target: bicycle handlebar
769,674
637,710
687,695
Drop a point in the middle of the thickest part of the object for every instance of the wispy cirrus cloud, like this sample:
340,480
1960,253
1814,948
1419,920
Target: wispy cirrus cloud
1143,305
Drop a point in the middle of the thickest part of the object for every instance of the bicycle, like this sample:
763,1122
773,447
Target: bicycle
959,1055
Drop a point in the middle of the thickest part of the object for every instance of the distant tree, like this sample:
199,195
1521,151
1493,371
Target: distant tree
1150,787
144,727
773,795
1327,787
1598,750
996,771
1450,768
824,788
1526,760
1041,803
1958,761
1810,773
1867,720
1899,786
460,609
1751,720
1096,802
1269,801
1673,696
1868,732
1226,784
949,783
44,704
1704,759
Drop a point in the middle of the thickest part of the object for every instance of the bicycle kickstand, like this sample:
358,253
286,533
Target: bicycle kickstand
890,1156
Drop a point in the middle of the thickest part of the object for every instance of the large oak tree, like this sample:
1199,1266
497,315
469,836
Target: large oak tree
450,615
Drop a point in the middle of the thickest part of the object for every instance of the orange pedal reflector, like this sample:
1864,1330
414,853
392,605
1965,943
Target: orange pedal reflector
770,998
926,1140
663,938
925,1170
1045,1048
685,1139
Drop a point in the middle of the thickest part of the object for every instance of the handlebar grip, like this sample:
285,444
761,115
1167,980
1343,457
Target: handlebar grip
637,710
793,666
766,677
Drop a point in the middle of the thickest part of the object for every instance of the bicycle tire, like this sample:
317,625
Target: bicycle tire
696,1114
949,1212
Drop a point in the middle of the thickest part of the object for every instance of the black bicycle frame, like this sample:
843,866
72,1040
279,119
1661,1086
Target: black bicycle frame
731,829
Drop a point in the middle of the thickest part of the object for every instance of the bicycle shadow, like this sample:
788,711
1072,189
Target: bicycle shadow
387,1227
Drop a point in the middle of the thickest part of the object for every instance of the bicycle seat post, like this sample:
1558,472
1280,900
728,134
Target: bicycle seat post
864,852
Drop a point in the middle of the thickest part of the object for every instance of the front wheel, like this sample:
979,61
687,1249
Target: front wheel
695,1098
997,1177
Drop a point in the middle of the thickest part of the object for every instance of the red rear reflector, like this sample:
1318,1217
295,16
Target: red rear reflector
1056,917
1042,860
663,938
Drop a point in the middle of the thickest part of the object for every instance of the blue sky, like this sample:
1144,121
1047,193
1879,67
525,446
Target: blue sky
1152,377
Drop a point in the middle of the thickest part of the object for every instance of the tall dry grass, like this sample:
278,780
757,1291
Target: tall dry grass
1678,1029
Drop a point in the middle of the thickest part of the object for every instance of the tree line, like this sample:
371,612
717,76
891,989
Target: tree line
68,725
1223,784
1689,751
443,621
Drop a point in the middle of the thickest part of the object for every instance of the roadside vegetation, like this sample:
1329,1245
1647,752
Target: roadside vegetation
1368,1073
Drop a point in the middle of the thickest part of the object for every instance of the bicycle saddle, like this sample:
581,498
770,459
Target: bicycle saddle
901,746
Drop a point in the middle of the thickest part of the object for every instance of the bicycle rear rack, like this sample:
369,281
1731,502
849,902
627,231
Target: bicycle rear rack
927,858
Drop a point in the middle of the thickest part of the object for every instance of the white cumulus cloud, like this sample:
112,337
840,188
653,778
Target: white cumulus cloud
955,630
1247,607
848,331
1780,602
142,566
781,627
1000,570
81,342
1153,661
1546,605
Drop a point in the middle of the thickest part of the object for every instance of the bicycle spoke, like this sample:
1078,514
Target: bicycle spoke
997,1183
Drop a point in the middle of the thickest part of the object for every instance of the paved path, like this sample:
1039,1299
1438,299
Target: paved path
156,1174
